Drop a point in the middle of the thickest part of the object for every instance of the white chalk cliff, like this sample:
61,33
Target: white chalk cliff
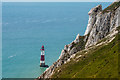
100,24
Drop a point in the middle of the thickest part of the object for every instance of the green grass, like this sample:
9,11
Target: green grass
118,28
100,62
81,45
104,39
112,7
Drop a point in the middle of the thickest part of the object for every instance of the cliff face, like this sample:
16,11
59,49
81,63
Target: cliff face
100,25
92,18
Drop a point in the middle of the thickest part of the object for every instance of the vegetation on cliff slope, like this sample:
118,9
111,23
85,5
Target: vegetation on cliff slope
99,62
81,45
112,7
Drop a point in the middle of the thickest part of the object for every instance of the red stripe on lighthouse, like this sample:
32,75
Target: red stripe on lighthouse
42,58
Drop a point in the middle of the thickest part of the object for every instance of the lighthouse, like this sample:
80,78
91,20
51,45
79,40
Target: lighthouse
42,59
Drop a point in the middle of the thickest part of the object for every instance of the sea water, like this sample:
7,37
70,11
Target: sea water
27,26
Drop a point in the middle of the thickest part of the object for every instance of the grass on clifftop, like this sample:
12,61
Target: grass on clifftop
99,62
112,7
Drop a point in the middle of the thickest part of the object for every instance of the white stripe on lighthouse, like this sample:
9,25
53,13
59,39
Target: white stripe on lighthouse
42,52
42,61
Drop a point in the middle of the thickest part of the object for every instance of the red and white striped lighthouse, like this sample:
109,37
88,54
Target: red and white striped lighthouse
42,59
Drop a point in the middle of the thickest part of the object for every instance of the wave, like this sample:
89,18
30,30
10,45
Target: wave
12,56
49,20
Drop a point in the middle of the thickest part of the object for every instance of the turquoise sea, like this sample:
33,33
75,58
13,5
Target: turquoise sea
29,25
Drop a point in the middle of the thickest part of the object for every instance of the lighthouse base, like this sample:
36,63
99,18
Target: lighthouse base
43,65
